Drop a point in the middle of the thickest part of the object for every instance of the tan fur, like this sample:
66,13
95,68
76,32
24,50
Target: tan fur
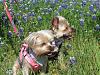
41,47
62,27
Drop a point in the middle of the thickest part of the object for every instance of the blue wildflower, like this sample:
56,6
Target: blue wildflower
34,1
21,30
22,6
64,1
26,8
97,27
60,8
56,1
56,13
11,1
9,34
94,17
33,14
50,10
81,22
91,7
72,60
39,18
46,1
17,14
69,46
24,18
64,5
83,3
97,3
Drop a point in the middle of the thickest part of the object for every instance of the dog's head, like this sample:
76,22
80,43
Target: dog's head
39,43
61,28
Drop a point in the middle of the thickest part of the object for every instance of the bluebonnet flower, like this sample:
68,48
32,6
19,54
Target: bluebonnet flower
22,6
26,8
94,17
10,34
64,5
34,1
21,30
52,3
84,3
50,10
97,27
11,1
56,13
17,14
81,22
81,14
56,1
97,3
20,1
39,18
4,18
19,22
91,7
69,46
29,13
46,1
72,60
24,18
33,14
60,8
64,1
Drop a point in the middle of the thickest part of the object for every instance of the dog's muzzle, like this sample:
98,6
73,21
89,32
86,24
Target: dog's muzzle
57,44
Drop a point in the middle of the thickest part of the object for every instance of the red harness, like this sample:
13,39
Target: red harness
31,59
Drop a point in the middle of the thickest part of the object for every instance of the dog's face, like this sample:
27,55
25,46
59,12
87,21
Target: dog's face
61,27
39,43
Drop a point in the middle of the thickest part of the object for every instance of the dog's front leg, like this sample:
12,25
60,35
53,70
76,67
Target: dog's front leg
16,66
25,70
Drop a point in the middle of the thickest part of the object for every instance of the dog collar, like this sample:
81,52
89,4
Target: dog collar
30,57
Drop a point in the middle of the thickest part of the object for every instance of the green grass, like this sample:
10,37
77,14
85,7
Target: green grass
85,47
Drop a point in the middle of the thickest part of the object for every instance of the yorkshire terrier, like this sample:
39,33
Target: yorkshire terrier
33,54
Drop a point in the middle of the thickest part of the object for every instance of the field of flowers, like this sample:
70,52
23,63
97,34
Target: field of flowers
78,56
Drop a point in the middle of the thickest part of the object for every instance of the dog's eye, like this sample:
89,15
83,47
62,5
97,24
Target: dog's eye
65,29
43,44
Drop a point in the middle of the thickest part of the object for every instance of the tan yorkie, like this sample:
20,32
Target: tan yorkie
60,29
33,54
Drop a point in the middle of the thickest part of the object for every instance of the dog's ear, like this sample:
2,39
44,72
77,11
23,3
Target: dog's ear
55,22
